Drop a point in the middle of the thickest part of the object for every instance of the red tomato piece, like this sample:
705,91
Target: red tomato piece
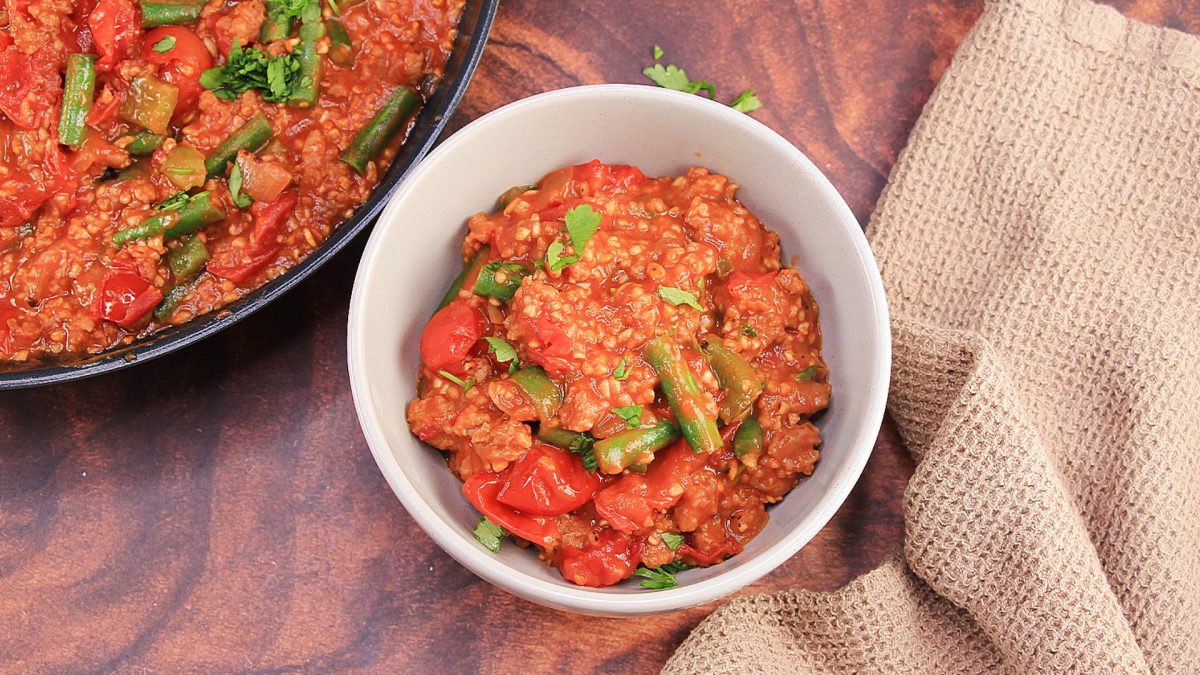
481,490
554,345
180,65
694,556
758,288
124,297
630,502
596,177
612,557
450,336
6,312
239,264
115,26
18,89
547,481
625,504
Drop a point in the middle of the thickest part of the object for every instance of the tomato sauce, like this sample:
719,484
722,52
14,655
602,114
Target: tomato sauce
66,287
627,375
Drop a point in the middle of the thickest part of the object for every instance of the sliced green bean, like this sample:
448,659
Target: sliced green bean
500,279
741,382
512,193
79,86
635,446
537,385
304,94
158,13
275,27
251,136
341,49
194,215
144,143
683,394
188,259
575,441
171,299
469,271
382,128
748,441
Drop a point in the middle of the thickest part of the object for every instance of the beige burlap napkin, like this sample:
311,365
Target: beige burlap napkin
1040,245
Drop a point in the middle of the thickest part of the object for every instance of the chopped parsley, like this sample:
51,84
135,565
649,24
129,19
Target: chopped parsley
582,222
671,539
585,452
250,68
165,45
749,331
283,11
632,414
661,578
504,352
235,188
677,297
746,102
806,374
176,201
622,371
489,534
555,260
674,77
466,386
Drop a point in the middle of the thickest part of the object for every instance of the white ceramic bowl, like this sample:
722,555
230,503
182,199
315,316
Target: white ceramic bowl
413,255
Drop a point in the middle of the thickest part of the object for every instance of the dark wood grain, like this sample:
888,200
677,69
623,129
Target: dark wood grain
219,509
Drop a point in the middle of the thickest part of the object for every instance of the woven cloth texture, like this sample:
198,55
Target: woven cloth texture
1039,240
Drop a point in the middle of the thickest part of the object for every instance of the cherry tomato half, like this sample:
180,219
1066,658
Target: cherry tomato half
612,557
239,264
179,65
124,298
481,490
629,503
450,336
547,481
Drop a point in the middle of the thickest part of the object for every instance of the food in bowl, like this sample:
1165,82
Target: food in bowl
624,374
161,159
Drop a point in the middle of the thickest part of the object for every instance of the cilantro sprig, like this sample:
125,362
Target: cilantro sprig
675,78
678,297
807,374
505,353
661,578
242,200
465,384
671,539
632,414
622,371
164,45
582,222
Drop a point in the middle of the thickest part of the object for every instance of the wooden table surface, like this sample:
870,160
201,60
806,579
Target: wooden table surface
218,509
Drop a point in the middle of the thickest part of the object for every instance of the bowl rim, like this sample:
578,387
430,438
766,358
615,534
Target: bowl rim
578,598
474,25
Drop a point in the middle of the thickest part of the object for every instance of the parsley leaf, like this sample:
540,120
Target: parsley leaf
165,45
622,371
632,414
677,297
555,260
235,188
806,374
250,68
746,102
504,352
674,77
660,578
658,52
466,386
749,331
671,539
489,534
582,222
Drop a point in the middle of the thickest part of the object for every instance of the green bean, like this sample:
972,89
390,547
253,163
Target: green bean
144,143
171,299
575,441
470,270
158,13
275,27
748,441
79,86
382,128
188,259
194,215
252,135
304,94
341,49
540,389
635,446
512,193
683,394
741,382
500,279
